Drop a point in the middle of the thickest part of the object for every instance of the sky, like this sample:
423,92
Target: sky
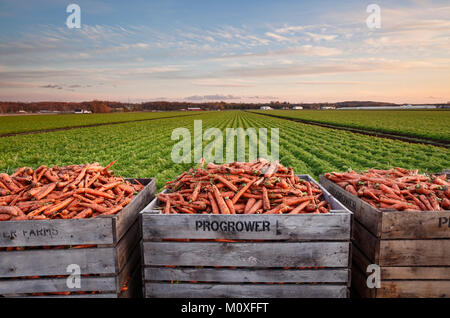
234,51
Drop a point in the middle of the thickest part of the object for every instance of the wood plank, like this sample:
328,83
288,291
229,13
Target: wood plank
127,245
328,254
415,225
55,262
103,295
133,262
415,273
300,227
56,232
359,284
415,252
49,285
241,275
414,289
363,212
366,242
134,285
165,290
126,218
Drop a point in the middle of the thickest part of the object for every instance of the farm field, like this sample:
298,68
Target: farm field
18,124
432,124
143,149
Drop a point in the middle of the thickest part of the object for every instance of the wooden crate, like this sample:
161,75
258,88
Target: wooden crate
305,255
411,248
113,263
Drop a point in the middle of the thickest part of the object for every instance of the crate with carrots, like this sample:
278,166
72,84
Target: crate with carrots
71,232
401,224
250,229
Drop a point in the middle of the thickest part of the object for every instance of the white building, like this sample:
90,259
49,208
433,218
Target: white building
265,108
297,107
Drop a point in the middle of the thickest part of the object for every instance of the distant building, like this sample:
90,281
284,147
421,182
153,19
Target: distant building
194,108
265,108
297,107
82,111
328,107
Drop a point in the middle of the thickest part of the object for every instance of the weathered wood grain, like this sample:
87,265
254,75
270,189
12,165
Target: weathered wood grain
166,290
414,253
241,275
415,225
329,254
321,227
56,232
49,285
55,262
367,243
127,245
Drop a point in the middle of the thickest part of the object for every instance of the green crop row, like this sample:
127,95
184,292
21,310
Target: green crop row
143,149
17,124
433,124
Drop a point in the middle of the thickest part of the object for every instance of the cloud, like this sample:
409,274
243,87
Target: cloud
327,83
277,36
212,82
52,86
307,50
216,97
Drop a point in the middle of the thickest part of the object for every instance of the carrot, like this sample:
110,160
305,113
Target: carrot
243,190
10,210
196,191
225,181
265,198
215,209
58,207
252,210
230,205
249,204
84,214
95,193
223,208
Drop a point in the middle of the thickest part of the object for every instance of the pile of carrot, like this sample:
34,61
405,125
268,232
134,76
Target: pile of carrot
71,192
258,187
398,189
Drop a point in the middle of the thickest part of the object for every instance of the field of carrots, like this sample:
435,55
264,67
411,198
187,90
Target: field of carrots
143,148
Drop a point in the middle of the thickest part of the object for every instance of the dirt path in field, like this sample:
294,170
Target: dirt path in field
33,132
402,137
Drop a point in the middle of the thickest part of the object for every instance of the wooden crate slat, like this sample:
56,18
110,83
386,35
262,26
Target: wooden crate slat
366,242
102,295
415,225
56,232
55,262
322,227
246,275
414,253
413,289
127,244
133,262
48,285
167,290
329,254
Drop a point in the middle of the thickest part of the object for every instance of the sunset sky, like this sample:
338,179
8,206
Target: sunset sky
246,50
